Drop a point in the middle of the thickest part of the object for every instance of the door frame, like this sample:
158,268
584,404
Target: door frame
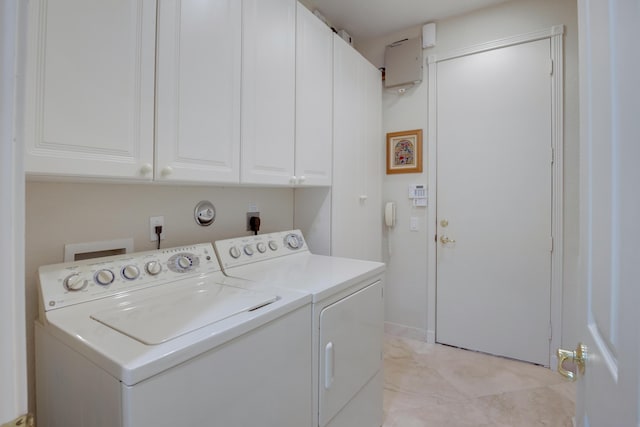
13,361
555,34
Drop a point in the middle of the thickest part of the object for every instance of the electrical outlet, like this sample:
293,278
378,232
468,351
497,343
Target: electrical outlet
249,215
153,222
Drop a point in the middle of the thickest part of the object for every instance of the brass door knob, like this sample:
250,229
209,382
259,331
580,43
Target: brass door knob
445,239
577,356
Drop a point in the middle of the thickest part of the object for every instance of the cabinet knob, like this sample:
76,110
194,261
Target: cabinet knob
293,179
146,169
167,171
302,179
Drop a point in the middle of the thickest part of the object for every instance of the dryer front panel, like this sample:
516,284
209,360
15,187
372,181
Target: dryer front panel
351,332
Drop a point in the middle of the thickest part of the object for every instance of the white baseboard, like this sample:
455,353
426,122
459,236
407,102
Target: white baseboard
404,331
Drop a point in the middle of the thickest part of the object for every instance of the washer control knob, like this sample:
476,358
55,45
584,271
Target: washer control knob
74,282
105,277
248,250
261,247
130,272
273,245
234,252
293,241
184,262
153,267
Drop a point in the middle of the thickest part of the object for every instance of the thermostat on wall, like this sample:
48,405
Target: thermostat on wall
418,192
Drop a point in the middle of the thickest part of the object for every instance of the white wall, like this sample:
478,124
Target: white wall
59,213
406,302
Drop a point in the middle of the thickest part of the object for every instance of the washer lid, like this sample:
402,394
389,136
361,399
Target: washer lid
159,319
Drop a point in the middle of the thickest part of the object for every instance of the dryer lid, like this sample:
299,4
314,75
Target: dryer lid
164,317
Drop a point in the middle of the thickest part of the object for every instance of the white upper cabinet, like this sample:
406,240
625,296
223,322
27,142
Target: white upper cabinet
198,91
90,88
268,91
357,156
314,100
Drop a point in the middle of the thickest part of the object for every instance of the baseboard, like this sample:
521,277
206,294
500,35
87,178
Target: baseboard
431,337
404,331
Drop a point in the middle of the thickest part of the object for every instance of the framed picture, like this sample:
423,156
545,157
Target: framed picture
404,152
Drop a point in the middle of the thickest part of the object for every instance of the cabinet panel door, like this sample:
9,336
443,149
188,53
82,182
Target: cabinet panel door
198,91
345,191
373,165
314,100
90,88
268,91
356,220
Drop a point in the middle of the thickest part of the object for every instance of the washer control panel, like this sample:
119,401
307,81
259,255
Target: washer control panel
245,250
75,282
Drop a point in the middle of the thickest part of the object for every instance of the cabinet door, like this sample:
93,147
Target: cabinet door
268,91
90,88
356,220
314,82
198,91
373,166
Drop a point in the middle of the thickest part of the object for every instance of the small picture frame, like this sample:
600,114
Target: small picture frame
404,152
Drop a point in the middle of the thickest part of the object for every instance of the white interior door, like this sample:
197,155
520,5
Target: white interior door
494,163
608,393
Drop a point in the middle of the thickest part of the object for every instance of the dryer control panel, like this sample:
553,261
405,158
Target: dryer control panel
80,281
249,249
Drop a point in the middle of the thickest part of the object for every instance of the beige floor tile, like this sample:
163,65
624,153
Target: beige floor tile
450,414
567,389
435,385
529,408
482,375
419,380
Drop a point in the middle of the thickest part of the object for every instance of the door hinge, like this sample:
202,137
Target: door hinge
24,421
551,244
550,67
550,332
553,155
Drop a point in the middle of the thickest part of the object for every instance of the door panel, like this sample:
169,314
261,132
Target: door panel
610,208
268,91
198,101
494,201
89,88
350,347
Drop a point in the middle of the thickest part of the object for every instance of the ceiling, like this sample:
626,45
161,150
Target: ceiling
367,19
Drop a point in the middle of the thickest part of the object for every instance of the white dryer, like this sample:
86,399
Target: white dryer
348,319
163,338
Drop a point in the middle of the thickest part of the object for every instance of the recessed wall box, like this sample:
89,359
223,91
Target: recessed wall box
403,63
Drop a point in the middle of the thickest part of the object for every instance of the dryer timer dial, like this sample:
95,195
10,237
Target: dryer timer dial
293,241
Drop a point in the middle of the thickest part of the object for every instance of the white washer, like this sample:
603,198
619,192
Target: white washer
163,338
348,319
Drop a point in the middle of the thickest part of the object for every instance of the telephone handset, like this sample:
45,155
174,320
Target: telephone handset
390,214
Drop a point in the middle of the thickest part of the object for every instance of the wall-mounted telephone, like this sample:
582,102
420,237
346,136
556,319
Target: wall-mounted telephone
390,214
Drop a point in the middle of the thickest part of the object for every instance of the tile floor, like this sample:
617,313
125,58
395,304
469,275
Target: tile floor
435,385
